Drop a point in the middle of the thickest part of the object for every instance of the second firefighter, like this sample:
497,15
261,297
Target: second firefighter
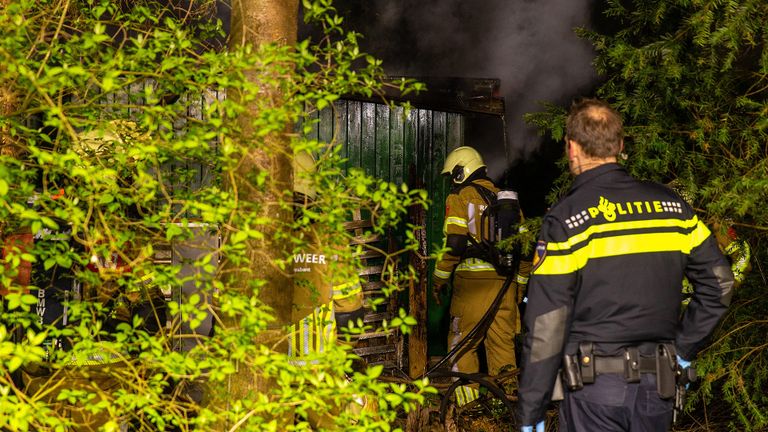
476,282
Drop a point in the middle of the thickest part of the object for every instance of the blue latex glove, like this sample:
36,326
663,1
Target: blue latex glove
684,364
539,427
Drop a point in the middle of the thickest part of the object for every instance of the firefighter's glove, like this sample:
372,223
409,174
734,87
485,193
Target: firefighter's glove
437,290
539,427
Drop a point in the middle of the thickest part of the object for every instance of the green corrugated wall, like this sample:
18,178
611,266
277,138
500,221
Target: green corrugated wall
401,148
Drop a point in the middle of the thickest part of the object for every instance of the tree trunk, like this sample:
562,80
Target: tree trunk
256,22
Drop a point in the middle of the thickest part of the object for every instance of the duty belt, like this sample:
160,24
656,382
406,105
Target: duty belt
617,364
583,368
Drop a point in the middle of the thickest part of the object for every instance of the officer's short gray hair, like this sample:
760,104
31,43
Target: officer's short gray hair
596,127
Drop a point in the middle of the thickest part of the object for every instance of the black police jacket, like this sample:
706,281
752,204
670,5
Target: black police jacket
608,269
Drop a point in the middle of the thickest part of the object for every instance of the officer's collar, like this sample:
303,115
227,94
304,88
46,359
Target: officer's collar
601,170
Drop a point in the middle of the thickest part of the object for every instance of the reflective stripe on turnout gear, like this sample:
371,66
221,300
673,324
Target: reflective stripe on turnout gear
442,274
475,265
313,334
98,355
466,394
342,291
740,253
463,210
460,222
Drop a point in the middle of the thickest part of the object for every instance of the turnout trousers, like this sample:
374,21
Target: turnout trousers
472,296
611,405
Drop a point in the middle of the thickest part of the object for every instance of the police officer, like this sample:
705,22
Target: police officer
475,280
605,291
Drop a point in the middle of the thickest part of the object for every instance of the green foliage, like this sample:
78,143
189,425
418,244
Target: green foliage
125,129
691,80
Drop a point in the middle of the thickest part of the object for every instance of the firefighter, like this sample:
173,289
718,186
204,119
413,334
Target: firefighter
475,280
322,304
107,287
90,369
604,296
735,248
324,301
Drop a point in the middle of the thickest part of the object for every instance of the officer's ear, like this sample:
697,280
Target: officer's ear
572,148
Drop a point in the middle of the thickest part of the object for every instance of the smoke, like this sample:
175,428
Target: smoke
529,45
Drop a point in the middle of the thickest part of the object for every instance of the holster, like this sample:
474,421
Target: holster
572,372
666,370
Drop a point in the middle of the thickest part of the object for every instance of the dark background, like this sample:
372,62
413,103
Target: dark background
530,45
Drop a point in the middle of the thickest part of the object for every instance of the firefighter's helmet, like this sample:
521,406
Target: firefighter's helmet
108,138
461,163
304,166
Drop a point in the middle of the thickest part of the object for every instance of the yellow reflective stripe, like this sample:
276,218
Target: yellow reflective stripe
741,263
617,246
698,235
346,290
474,264
325,328
453,220
521,279
732,247
442,274
314,334
93,357
465,395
